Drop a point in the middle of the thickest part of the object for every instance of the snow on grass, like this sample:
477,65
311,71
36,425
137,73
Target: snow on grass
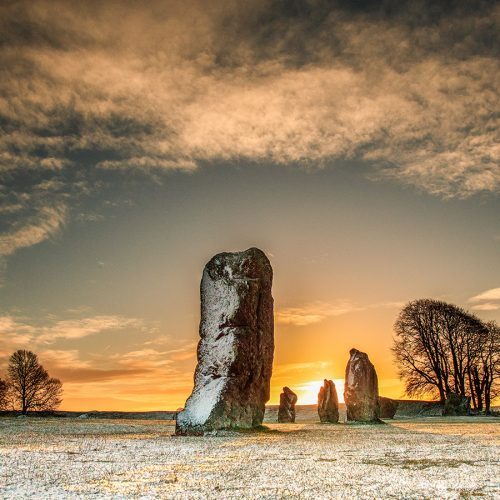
425,458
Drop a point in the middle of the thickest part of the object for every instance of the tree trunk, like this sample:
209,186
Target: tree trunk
442,395
23,403
478,388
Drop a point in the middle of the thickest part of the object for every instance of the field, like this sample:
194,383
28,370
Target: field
412,458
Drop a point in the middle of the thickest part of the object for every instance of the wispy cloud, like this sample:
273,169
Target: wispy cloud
66,358
47,223
487,306
488,300
19,331
14,334
77,329
316,312
491,294
312,313
34,209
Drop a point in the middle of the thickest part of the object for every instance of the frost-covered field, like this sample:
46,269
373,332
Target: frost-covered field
425,458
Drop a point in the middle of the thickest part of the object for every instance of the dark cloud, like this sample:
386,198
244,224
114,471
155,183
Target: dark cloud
306,32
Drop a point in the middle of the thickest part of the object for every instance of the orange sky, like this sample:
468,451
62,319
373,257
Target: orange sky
305,354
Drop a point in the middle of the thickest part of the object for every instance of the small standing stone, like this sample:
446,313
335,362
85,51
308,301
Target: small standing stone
361,389
388,407
286,412
328,403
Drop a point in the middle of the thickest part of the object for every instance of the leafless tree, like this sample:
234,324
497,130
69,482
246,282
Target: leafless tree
30,384
418,349
4,387
440,348
486,370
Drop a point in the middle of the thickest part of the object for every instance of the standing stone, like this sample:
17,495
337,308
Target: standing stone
361,389
286,411
388,407
236,348
328,403
456,405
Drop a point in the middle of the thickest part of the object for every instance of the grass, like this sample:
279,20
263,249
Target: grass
420,458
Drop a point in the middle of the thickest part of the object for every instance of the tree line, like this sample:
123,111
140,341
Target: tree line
441,349
28,386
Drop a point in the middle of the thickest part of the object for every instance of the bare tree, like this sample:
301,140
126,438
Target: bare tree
442,349
486,371
30,384
4,387
418,349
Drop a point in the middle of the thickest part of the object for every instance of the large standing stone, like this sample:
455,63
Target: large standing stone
235,352
328,403
286,411
361,389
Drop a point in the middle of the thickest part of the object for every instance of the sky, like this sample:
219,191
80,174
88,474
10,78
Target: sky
354,142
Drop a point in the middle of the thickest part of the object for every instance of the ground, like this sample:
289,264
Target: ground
424,458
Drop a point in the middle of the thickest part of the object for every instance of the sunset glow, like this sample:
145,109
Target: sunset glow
308,393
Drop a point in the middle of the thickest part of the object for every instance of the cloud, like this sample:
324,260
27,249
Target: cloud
79,328
35,208
20,332
47,223
14,334
487,306
66,358
488,300
491,294
318,311
408,89
312,313
69,367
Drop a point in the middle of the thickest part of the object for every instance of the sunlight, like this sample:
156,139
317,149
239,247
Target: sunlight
308,391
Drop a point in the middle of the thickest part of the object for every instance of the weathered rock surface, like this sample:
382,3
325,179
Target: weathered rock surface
361,389
388,407
328,403
286,411
236,348
456,405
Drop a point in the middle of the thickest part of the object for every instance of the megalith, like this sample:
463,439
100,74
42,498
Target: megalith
328,403
286,411
388,407
361,389
236,347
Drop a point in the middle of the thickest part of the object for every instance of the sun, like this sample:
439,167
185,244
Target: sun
307,392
